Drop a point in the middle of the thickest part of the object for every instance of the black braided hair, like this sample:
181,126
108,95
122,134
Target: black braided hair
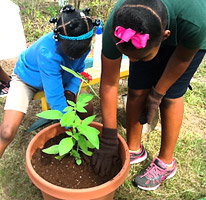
71,23
144,17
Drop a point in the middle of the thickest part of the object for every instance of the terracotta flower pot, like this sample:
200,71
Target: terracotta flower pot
52,192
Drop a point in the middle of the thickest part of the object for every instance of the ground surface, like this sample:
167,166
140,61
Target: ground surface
189,182
199,123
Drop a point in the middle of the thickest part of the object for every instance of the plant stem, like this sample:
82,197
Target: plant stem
79,90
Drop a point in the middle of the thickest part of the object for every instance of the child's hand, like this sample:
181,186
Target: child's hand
152,103
69,96
108,153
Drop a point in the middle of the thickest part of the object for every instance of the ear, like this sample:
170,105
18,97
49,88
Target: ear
167,33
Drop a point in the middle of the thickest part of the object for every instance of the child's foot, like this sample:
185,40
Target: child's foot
137,157
152,177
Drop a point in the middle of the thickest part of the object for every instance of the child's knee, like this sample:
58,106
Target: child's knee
138,95
168,102
6,133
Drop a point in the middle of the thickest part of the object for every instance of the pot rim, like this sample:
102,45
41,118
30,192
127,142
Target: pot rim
36,179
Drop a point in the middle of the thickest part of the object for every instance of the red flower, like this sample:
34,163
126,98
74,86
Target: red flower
86,76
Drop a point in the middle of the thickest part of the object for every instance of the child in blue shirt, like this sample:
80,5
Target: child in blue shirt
39,68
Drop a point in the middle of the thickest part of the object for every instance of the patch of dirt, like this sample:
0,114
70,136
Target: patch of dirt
193,121
66,173
8,65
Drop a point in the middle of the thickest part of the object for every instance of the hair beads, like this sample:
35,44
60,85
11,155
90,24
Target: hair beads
71,24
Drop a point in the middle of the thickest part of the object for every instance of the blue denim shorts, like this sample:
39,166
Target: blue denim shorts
144,75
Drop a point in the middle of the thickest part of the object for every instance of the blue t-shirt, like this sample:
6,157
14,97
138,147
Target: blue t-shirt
39,67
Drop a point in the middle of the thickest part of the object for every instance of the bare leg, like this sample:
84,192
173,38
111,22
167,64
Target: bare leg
4,76
135,105
8,128
171,118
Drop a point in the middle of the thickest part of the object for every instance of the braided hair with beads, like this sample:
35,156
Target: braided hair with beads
74,30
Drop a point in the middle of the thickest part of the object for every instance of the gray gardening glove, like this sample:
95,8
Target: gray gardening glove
152,104
108,153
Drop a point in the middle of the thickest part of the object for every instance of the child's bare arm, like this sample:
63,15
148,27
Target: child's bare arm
176,66
108,151
108,91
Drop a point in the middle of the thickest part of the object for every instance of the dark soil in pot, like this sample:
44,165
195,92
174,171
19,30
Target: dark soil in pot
66,173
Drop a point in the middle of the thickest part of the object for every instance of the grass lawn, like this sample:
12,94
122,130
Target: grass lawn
190,153
189,183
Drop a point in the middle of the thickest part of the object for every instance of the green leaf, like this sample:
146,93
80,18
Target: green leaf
80,77
88,153
85,97
71,71
75,154
89,145
78,161
77,122
71,103
65,146
88,120
81,109
81,104
68,109
76,136
59,157
52,150
68,119
50,114
69,133
82,143
91,134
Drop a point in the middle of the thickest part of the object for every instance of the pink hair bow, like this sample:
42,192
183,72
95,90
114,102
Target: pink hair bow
138,40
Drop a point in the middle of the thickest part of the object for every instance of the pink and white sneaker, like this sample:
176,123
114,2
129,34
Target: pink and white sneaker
4,89
138,157
152,177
